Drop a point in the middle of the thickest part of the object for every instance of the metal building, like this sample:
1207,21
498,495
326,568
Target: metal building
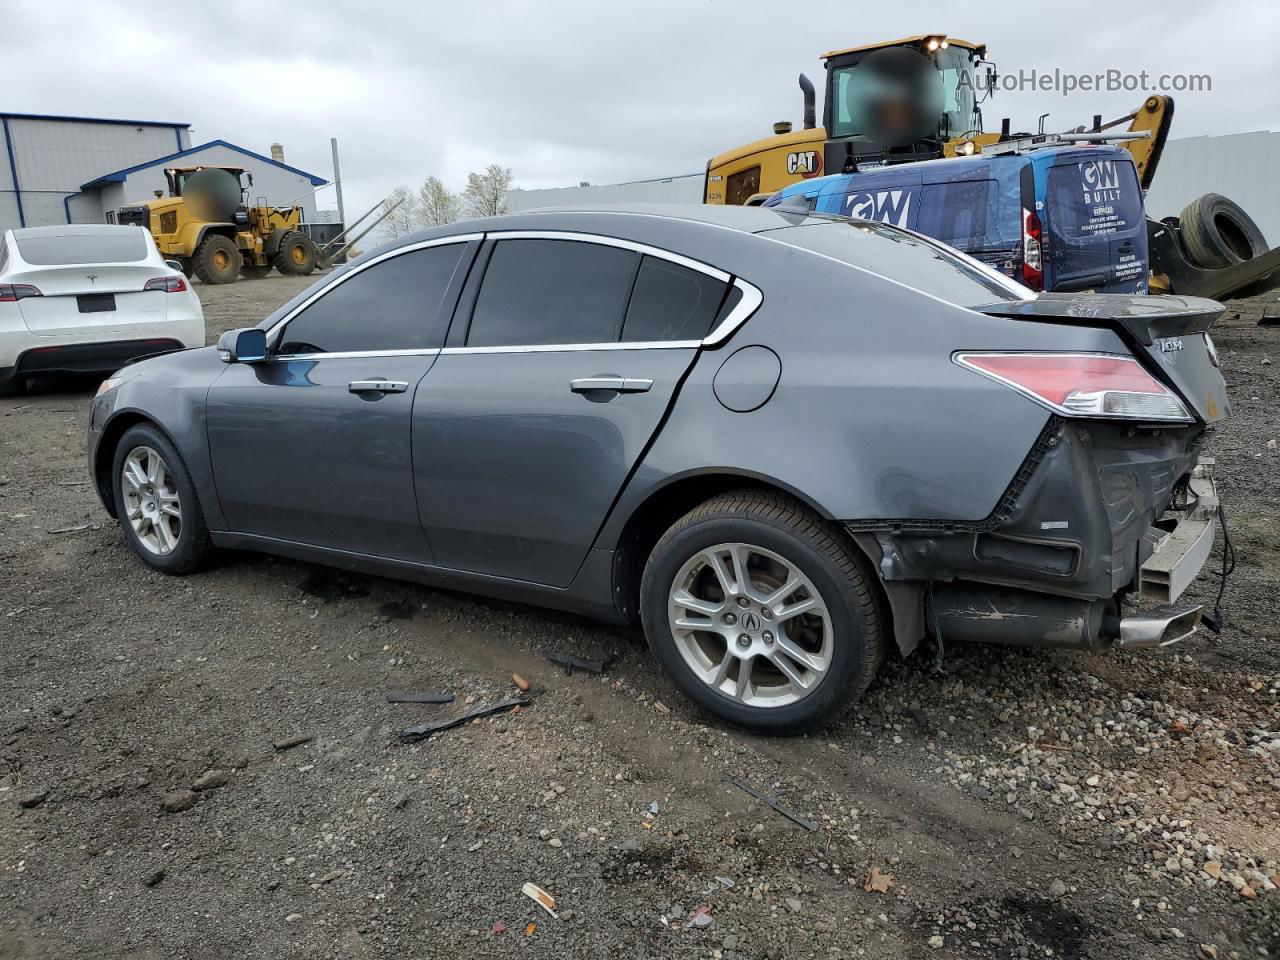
1244,167
59,169
274,181
47,158
1240,166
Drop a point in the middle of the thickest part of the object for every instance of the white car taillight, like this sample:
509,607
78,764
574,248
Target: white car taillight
11,292
166,284
1082,384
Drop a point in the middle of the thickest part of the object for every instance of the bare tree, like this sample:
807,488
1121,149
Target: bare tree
436,204
486,193
403,218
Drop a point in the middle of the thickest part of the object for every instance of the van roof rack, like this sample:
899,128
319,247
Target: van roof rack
1041,140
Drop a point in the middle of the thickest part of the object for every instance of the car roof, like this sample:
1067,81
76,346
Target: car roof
744,220
70,230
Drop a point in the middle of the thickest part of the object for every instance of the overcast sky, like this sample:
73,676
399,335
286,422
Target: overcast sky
593,90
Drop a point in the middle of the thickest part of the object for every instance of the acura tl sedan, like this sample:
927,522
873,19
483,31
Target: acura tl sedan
85,298
787,444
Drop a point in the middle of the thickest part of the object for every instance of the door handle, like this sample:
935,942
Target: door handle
378,386
616,384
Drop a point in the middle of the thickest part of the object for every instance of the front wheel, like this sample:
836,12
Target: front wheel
297,255
762,613
156,502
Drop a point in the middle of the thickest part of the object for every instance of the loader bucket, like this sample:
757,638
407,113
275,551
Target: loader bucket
1245,279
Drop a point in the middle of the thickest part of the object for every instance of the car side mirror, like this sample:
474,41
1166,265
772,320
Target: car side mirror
174,265
246,345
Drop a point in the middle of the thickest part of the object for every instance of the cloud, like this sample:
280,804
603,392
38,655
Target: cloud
566,91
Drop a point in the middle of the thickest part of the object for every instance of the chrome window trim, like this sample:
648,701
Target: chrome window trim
749,304
751,300
354,354
572,347
606,241
356,271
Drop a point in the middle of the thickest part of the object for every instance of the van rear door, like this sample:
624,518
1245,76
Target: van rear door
1095,228
981,217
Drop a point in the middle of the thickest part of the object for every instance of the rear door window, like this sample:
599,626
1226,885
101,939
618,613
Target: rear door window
127,246
390,305
671,302
970,215
552,292
1094,198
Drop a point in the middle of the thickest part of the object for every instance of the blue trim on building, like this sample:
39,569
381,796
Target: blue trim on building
120,175
66,204
125,123
13,169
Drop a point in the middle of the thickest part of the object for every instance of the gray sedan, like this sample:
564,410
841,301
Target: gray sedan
786,444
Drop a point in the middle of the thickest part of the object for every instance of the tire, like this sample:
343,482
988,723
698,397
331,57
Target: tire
255,272
297,255
191,547
217,259
775,532
1216,232
13,386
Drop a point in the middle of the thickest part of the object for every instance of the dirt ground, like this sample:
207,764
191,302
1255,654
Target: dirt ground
1011,804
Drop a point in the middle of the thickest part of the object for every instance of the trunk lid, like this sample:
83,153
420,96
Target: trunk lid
1169,334
57,311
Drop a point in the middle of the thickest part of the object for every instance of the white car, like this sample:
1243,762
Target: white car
88,298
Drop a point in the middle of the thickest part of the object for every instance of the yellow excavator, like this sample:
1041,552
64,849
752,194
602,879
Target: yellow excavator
206,225
1213,249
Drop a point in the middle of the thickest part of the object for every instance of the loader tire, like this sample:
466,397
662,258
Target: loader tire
1216,232
297,255
254,272
217,259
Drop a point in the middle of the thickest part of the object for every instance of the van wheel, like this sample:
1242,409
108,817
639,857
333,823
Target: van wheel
1216,232
156,502
762,613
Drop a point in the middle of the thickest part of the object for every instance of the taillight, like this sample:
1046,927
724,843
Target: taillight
1032,250
11,292
1082,384
166,284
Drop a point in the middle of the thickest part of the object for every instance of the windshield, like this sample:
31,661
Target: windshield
854,89
907,258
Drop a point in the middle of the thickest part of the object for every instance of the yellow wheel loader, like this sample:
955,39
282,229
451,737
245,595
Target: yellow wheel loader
1213,249
205,224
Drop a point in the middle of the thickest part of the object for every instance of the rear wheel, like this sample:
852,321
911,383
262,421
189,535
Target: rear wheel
156,502
217,259
1216,232
297,255
762,613
14,386
254,272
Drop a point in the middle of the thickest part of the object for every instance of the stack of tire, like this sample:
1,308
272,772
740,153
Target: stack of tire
1216,232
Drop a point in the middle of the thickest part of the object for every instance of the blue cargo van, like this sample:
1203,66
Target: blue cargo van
1066,218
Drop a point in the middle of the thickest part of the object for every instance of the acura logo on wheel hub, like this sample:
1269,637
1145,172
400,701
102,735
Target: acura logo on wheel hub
750,622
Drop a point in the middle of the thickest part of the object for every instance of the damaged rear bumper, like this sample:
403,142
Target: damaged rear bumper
1100,513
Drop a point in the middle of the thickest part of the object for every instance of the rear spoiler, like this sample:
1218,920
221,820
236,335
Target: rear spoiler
1143,318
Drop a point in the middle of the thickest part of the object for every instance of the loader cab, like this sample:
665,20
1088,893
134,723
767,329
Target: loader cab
858,109
856,113
1057,219
177,177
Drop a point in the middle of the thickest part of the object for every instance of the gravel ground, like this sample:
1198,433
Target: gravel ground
1011,804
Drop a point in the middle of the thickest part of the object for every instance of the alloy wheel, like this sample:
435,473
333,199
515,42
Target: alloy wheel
151,500
750,624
